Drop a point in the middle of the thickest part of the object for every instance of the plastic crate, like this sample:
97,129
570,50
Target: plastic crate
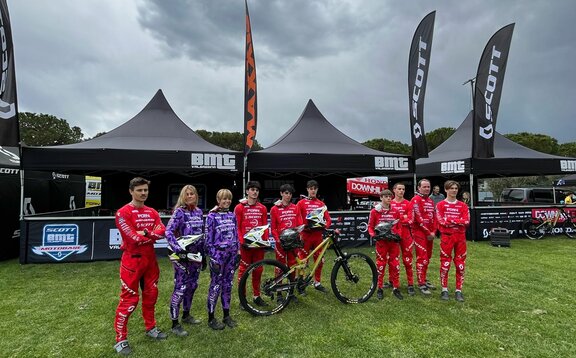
500,237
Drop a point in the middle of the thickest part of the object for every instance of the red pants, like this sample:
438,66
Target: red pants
136,270
311,240
455,242
423,255
406,247
287,258
247,258
388,252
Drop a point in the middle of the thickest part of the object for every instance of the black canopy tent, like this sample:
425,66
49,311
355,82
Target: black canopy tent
10,194
155,142
313,147
453,158
569,180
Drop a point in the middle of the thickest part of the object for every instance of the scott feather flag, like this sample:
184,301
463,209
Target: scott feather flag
9,130
488,90
418,66
250,98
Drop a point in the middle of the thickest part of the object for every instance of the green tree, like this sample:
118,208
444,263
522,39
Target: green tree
44,129
540,142
228,140
390,146
438,136
567,149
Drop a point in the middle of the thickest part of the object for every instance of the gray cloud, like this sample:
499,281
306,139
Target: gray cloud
99,62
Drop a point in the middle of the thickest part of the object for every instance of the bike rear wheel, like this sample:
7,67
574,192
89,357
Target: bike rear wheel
569,228
353,278
533,229
275,289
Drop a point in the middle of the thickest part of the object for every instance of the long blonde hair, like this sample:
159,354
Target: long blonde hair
182,198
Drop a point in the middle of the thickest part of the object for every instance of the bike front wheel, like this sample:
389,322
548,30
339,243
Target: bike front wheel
353,278
569,228
269,281
533,229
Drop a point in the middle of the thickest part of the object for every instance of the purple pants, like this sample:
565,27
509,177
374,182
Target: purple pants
222,267
185,284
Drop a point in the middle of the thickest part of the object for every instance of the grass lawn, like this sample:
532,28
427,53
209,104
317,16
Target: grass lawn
519,303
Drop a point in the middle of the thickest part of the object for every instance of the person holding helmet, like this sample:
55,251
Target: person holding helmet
284,215
250,213
312,234
387,243
188,260
222,246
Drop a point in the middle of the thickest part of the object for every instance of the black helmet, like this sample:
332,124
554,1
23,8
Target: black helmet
290,239
384,231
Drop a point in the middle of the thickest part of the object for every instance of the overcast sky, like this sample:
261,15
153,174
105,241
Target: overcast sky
97,63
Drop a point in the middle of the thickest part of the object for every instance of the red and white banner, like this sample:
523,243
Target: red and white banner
366,186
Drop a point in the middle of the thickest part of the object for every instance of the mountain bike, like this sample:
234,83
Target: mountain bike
353,278
561,222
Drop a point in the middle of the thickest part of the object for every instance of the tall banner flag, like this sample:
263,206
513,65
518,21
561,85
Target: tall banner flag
250,103
9,130
418,66
489,82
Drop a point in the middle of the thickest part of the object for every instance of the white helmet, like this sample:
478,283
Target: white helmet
187,241
315,219
255,238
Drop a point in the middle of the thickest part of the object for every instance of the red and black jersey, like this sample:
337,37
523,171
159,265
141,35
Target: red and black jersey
424,215
283,217
453,217
130,219
248,217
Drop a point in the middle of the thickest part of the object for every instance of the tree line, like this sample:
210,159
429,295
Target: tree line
44,129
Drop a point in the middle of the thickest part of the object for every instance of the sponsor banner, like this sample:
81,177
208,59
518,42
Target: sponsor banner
9,129
371,186
59,242
214,161
500,216
353,228
93,191
418,67
489,82
250,98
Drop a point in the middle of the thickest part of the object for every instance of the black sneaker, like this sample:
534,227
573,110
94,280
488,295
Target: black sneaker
424,290
444,296
190,320
229,322
318,286
430,285
215,324
156,334
123,348
387,284
380,294
459,296
258,301
396,292
179,331
411,291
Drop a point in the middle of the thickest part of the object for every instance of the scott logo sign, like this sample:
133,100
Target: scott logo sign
60,241
568,165
391,163
420,74
213,161
452,167
492,82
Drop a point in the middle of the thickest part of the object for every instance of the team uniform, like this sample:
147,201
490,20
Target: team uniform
284,217
453,218
138,266
222,247
184,221
407,242
312,238
424,225
247,217
387,252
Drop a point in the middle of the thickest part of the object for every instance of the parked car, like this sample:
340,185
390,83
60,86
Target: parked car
486,196
521,196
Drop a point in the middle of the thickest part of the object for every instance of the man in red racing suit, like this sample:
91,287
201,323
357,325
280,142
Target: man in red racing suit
139,227
453,218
